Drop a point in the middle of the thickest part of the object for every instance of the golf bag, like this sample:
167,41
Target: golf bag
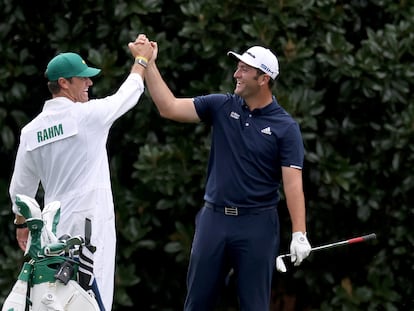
59,274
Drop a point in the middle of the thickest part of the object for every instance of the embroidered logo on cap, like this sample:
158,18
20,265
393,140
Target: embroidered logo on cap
265,68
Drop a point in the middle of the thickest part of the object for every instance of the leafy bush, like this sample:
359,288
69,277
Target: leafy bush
346,75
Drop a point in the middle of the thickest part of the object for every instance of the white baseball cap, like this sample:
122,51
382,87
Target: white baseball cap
260,58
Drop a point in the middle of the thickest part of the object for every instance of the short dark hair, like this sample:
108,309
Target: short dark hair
271,81
54,86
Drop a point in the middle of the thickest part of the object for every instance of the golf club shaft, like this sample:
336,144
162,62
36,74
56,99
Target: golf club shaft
363,238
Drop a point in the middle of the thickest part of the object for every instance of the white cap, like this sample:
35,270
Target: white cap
260,58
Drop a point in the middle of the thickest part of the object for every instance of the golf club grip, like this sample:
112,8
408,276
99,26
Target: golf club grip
363,238
350,241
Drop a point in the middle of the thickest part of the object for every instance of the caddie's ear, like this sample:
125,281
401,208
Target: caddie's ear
63,83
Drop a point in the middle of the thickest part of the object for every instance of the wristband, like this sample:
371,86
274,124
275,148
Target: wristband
20,226
141,60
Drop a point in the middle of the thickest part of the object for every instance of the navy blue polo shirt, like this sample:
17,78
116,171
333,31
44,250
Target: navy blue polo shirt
248,149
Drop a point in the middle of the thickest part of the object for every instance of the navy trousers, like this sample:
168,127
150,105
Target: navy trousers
246,243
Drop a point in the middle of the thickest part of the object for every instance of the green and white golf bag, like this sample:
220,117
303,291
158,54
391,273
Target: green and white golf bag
59,274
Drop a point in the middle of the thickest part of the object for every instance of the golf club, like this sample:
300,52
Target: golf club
281,266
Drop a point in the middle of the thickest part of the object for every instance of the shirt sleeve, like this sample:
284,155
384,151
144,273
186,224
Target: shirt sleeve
24,180
108,109
207,105
291,147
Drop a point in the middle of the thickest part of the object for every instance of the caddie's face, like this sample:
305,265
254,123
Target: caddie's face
246,81
77,89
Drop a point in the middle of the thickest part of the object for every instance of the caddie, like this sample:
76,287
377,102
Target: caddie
64,149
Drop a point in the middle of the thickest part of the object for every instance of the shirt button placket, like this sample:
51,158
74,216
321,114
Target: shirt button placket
247,123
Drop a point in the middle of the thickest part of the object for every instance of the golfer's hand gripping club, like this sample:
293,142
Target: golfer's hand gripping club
300,248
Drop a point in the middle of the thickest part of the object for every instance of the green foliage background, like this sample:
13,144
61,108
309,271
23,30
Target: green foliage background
347,71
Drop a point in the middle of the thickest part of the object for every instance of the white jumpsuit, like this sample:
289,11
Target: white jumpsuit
64,148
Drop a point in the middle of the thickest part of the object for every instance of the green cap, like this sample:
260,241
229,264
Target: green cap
68,65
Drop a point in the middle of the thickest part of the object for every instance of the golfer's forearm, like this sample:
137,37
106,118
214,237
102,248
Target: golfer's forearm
295,201
159,91
297,216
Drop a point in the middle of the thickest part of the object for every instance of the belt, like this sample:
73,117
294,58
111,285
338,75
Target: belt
237,211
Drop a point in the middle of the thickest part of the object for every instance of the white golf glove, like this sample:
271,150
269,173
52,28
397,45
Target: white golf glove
299,247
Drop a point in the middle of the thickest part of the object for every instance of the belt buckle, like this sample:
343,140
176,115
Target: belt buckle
231,211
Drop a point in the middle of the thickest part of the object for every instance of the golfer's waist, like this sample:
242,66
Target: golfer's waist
236,211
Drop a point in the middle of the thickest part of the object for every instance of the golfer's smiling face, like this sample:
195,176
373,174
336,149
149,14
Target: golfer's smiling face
247,83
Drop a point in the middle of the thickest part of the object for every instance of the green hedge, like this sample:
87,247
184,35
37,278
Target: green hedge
346,75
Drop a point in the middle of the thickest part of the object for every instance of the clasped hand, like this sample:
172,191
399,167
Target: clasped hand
141,47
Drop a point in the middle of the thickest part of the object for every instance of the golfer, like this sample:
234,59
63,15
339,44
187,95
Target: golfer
255,147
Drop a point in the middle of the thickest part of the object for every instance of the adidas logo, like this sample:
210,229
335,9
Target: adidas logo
266,131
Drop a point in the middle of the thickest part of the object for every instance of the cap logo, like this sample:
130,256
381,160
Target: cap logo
251,54
265,68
